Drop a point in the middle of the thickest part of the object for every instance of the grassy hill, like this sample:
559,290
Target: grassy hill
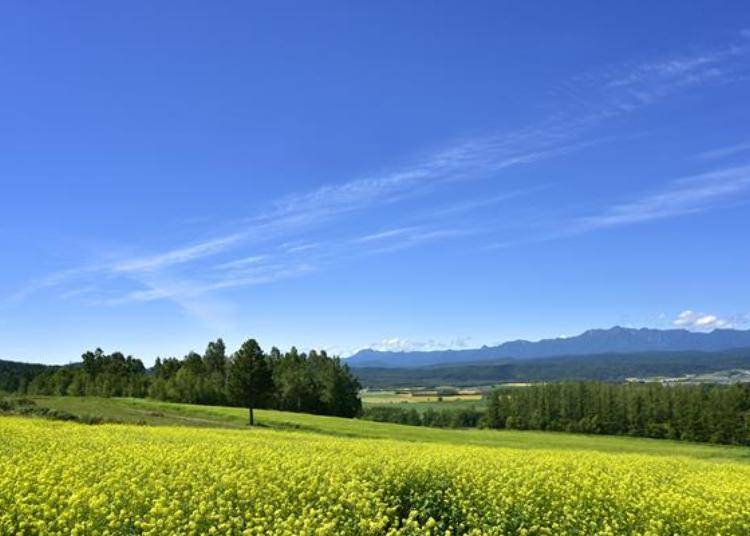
155,413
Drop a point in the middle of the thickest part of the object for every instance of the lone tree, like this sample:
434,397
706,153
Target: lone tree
249,381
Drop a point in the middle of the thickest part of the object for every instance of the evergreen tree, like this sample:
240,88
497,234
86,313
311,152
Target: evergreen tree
250,381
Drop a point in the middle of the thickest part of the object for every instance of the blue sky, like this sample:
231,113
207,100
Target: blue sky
402,175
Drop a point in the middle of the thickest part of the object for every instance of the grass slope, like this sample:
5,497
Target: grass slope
171,414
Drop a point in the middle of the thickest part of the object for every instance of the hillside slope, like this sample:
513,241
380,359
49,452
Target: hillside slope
155,413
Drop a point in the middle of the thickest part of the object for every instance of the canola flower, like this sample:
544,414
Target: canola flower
64,478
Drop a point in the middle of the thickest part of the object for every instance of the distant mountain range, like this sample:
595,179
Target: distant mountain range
616,340
602,367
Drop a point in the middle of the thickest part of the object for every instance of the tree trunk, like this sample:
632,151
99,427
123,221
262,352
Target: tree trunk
251,421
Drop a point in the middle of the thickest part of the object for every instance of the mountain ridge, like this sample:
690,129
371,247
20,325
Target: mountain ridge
616,339
593,367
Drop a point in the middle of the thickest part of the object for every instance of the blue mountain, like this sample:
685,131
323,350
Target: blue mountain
594,341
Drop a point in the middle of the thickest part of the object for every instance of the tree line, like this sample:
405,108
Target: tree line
310,382
97,374
709,413
705,413
439,418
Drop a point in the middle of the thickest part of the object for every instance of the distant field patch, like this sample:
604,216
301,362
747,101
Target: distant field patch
402,397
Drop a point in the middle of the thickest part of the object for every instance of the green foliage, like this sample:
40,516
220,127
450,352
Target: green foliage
315,383
439,418
14,377
250,381
312,383
700,413
710,413
98,375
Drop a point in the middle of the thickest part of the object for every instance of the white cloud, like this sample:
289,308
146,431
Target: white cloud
696,321
396,344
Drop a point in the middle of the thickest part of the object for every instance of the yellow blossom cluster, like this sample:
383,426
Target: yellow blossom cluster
64,478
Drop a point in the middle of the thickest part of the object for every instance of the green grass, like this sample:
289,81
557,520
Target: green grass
171,414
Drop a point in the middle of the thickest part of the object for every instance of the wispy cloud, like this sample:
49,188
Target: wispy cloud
478,204
177,256
289,230
723,152
52,280
695,194
300,212
685,196
472,159
168,288
242,262
297,248
622,89
389,241
382,235
77,292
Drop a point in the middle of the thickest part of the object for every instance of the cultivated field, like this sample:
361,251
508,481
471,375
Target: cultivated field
342,476
421,403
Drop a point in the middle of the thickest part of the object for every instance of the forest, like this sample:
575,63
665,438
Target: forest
309,382
703,413
712,413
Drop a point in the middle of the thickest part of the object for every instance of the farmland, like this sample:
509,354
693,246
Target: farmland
198,469
406,400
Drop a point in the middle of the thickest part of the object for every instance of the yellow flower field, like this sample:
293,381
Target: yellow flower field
61,478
